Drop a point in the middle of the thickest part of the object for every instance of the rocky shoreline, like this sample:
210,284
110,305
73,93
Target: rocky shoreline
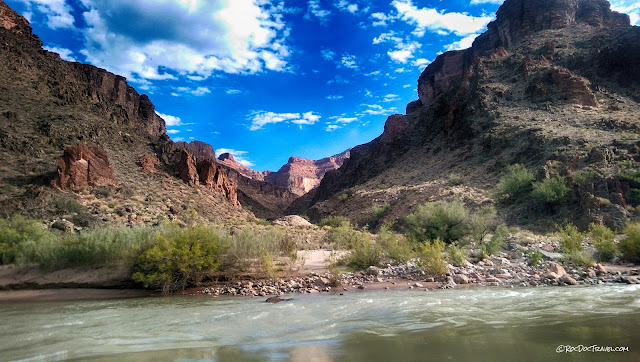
498,271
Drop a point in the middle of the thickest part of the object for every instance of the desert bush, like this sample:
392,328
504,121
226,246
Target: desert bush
602,239
247,246
454,179
344,237
395,246
430,257
67,205
448,221
570,239
335,221
16,233
457,255
482,222
496,242
515,184
365,253
343,197
630,246
179,258
550,191
536,258
579,258
378,212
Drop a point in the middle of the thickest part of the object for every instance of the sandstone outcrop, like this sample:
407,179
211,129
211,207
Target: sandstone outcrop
149,164
81,167
197,171
199,149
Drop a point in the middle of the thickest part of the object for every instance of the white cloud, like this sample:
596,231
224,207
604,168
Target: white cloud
332,127
170,120
334,97
403,52
407,86
476,2
328,54
349,61
199,91
345,120
178,139
421,62
373,74
237,155
377,110
65,53
434,20
261,119
387,37
463,43
314,10
338,79
629,7
344,5
173,131
390,98
381,19
198,39
57,12
233,91
401,70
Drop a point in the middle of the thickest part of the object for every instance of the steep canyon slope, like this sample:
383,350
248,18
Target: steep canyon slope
552,84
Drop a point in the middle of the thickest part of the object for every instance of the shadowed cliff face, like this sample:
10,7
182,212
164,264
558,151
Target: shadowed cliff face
533,89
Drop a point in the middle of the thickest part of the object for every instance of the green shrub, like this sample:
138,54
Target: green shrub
179,258
343,197
67,205
570,239
454,179
482,222
630,246
378,212
431,258
602,239
364,253
496,242
583,177
443,220
536,258
516,183
335,221
457,255
396,247
17,232
579,258
550,191
248,246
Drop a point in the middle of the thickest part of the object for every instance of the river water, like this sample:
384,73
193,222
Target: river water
481,324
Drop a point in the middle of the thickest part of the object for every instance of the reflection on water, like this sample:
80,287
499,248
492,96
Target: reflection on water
480,324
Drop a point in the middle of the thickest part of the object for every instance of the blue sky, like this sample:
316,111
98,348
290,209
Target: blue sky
267,79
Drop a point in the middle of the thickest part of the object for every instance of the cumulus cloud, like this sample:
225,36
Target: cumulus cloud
328,54
314,10
332,127
403,52
261,119
173,131
434,20
198,91
65,54
390,98
349,61
381,19
421,62
463,43
57,12
377,110
345,120
344,5
630,7
170,121
239,156
186,38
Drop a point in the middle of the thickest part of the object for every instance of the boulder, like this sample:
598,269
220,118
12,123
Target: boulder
558,269
373,270
63,225
149,164
568,280
461,279
292,221
81,167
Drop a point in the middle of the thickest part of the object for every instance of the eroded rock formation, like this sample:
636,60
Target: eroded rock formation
81,167
199,149
204,171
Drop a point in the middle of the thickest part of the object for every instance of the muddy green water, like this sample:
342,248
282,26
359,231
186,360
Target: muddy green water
492,324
